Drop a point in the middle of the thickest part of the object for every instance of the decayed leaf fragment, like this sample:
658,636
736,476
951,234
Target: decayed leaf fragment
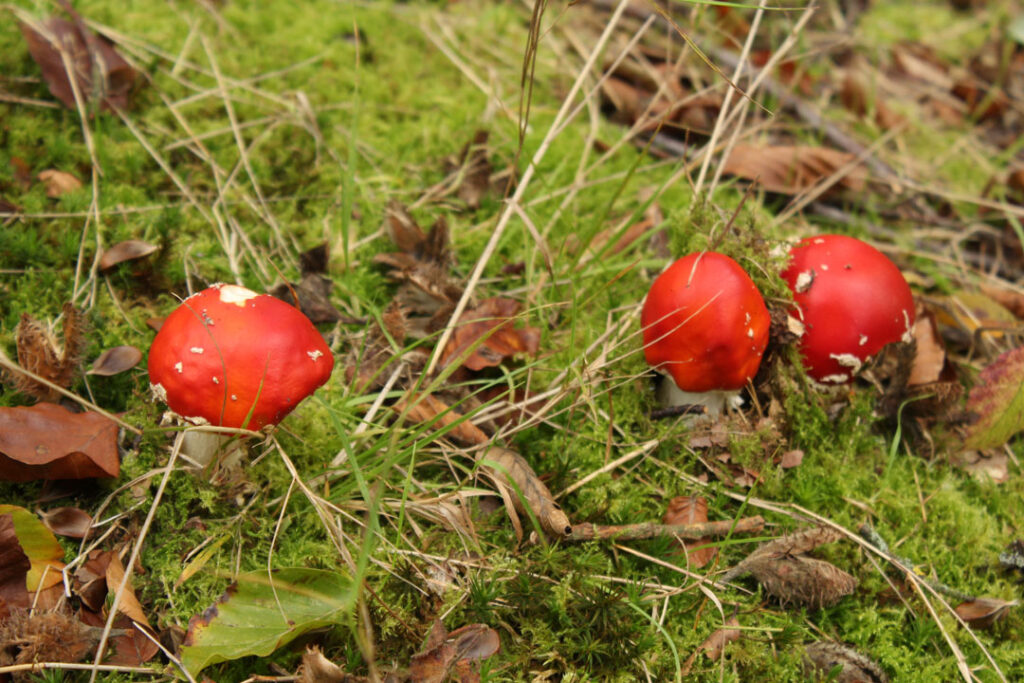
58,182
998,401
40,352
715,644
786,572
48,636
475,170
486,335
445,651
984,612
691,510
67,521
72,57
47,441
793,169
824,657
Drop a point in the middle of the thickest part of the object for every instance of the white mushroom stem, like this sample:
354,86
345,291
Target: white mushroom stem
202,447
715,401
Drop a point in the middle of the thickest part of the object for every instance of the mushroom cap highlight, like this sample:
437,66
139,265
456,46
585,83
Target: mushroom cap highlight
230,357
852,301
705,323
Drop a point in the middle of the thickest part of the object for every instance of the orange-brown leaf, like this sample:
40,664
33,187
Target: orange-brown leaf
47,441
486,335
691,510
793,169
129,250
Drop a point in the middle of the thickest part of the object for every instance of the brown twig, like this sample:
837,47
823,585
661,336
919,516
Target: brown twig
629,532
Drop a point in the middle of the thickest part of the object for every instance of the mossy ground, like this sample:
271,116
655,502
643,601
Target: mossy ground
340,126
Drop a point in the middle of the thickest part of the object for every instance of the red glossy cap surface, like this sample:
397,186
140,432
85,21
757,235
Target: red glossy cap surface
705,323
227,352
852,300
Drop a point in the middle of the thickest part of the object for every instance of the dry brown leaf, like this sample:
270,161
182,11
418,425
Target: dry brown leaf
313,292
984,612
823,657
47,441
99,73
58,183
14,566
793,169
486,335
427,408
316,668
115,360
475,168
67,521
129,250
40,352
129,604
1011,301
443,651
510,470
691,510
985,466
791,459
715,644
91,580
930,352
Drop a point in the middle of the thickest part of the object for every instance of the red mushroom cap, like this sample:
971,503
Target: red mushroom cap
234,358
705,323
852,301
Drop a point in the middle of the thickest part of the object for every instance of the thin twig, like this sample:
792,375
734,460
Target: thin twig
644,530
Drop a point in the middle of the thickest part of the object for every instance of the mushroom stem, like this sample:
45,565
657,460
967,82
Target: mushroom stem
715,401
203,447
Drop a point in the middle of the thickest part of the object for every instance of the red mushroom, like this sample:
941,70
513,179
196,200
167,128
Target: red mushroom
706,325
230,357
852,301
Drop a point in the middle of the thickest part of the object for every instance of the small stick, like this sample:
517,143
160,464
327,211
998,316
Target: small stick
627,532
907,565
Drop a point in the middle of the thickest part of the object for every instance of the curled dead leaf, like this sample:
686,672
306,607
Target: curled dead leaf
115,360
129,250
824,657
715,644
691,510
486,335
984,612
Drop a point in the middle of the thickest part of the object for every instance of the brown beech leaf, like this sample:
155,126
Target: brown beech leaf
715,644
67,521
313,292
40,352
58,182
823,657
14,566
129,604
486,335
997,401
791,459
793,169
316,668
129,250
475,170
99,73
47,441
929,353
470,643
691,510
115,360
983,612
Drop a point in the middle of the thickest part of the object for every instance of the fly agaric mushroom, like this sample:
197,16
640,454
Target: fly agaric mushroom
852,301
230,357
706,325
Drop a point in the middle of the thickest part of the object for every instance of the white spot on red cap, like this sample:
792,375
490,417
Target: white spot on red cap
847,360
835,379
863,340
315,355
216,379
824,266
804,280
196,349
179,367
233,294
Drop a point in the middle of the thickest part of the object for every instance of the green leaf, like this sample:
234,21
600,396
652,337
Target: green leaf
998,400
40,545
260,612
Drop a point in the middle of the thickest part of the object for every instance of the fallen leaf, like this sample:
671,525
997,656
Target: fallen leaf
91,580
715,644
316,668
968,312
313,293
791,459
98,72
129,604
115,360
988,465
129,250
442,651
474,642
47,441
929,350
44,552
984,612
998,401
260,613
486,335
58,183
691,510
823,657
794,169
40,352
67,521
14,566
528,493
475,170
